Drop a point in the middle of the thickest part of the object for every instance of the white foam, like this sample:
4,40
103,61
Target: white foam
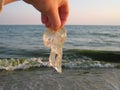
14,64
17,64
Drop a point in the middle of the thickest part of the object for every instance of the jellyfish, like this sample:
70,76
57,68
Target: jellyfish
55,41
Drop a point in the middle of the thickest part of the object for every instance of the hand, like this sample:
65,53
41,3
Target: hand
4,2
54,13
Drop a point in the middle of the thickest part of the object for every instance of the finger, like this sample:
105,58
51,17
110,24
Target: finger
44,18
63,12
9,1
48,24
1,5
28,1
54,19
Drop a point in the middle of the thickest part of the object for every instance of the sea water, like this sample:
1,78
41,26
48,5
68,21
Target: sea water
87,57
84,43
22,40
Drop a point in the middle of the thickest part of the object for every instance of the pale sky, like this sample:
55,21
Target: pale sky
82,12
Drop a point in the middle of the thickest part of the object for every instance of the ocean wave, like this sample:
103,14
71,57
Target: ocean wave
23,64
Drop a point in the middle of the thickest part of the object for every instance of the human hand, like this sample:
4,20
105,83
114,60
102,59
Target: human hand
4,2
54,13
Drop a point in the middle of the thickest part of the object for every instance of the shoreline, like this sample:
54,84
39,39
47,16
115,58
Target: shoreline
70,79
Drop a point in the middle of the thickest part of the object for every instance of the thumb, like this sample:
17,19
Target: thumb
1,4
54,18
4,2
9,1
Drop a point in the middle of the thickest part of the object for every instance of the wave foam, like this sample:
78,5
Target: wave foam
23,64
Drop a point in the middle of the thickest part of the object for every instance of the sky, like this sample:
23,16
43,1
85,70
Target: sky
82,12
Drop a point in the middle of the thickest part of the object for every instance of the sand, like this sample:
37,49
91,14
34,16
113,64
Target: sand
70,79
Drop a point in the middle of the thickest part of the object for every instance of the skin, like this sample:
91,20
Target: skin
8,1
4,2
54,13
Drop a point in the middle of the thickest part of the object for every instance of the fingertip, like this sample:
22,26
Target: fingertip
56,26
44,18
64,12
48,25
63,23
54,18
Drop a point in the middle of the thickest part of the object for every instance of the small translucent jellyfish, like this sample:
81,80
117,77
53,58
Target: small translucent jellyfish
55,40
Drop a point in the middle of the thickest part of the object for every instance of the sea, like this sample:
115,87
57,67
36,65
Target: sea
84,42
87,47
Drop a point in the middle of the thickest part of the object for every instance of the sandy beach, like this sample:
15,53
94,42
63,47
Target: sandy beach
48,79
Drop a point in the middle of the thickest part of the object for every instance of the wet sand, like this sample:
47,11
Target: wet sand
70,79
